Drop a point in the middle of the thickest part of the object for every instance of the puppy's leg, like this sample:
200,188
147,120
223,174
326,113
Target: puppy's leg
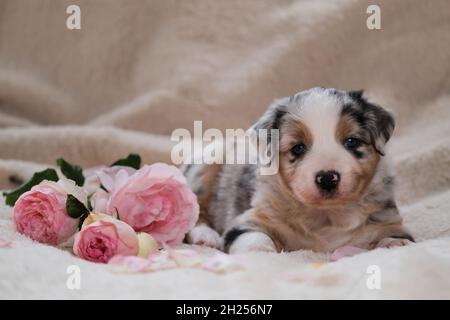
389,236
202,180
248,241
383,230
203,235
393,242
251,232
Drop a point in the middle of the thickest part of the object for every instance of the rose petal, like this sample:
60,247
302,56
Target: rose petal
222,263
129,264
5,243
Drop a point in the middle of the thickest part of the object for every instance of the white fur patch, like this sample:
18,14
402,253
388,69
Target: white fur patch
321,114
252,241
204,236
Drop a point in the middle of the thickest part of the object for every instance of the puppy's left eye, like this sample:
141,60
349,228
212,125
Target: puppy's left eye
298,150
351,143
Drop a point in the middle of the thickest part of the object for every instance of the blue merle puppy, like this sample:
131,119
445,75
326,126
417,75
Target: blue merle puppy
334,186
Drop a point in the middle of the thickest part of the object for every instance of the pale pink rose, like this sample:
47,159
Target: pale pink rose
102,237
155,199
41,212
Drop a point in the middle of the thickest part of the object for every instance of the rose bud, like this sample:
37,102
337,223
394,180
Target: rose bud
146,244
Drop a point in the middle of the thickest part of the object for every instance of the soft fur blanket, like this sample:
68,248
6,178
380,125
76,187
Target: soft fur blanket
139,69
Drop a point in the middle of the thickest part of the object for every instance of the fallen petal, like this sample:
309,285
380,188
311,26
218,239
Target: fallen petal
221,263
5,243
130,264
184,257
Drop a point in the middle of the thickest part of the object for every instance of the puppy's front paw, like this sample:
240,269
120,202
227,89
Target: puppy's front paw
251,242
204,236
393,242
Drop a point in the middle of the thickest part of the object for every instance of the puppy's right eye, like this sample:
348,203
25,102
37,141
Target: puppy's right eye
298,150
352,143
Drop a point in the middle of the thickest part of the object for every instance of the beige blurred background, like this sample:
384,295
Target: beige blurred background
153,66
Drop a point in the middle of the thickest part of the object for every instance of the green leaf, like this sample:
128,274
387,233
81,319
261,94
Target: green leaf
75,208
38,177
71,171
133,160
82,218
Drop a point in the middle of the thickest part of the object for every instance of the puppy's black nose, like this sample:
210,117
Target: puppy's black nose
327,180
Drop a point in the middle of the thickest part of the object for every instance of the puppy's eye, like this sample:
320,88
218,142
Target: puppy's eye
298,150
351,143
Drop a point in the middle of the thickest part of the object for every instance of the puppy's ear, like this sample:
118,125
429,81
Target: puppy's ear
376,120
356,94
272,118
261,135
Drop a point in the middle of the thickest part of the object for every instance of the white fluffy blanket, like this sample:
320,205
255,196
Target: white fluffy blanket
139,69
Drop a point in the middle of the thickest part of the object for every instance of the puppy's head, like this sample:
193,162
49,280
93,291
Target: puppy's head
330,143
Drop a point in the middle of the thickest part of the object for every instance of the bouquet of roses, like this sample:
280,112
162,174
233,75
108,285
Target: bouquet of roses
123,209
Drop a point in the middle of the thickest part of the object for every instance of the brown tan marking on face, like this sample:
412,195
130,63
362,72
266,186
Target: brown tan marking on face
346,127
365,167
368,168
292,132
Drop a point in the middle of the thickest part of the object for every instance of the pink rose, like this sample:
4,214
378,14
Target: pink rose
102,237
41,212
155,199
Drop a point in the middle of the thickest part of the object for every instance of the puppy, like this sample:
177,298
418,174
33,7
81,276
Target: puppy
334,186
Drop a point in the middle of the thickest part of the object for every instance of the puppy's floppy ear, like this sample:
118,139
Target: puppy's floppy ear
260,132
376,120
385,123
272,118
356,94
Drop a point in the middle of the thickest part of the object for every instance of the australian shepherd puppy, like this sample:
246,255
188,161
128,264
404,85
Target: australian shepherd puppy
334,186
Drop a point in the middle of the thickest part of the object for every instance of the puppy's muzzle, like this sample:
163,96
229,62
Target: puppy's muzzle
327,181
